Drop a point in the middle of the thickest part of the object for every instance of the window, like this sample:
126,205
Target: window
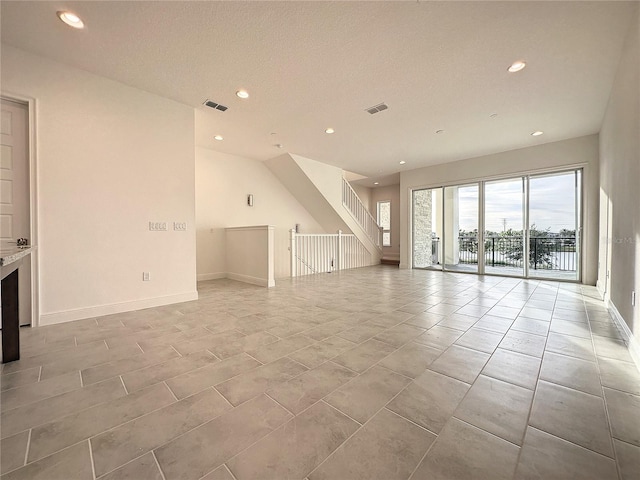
384,220
526,226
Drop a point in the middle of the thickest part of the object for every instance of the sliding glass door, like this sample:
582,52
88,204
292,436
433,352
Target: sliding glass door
554,245
461,228
504,227
527,226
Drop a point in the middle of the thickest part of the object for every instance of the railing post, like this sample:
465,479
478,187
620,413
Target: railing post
493,251
292,249
339,250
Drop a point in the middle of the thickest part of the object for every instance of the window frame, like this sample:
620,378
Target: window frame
384,230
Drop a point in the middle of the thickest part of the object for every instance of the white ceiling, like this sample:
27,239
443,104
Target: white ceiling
313,65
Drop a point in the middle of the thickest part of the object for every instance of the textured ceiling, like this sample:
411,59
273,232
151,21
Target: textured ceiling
313,65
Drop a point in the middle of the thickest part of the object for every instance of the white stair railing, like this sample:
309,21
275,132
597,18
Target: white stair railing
360,213
323,253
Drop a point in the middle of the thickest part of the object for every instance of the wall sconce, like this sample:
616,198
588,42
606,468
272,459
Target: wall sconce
250,200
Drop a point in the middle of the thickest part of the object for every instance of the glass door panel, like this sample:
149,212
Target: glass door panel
461,228
553,217
427,228
504,220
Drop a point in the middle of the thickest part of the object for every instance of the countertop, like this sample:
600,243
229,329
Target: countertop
13,254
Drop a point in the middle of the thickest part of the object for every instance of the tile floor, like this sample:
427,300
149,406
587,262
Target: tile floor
375,373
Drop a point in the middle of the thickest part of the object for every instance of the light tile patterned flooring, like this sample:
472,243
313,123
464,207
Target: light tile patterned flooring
376,373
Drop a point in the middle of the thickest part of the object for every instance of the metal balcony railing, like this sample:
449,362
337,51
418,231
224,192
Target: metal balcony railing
545,253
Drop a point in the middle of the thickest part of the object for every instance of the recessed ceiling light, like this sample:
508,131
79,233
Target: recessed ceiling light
439,131
402,162
329,130
70,19
516,66
219,138
376,183
242,94
278,145
537,133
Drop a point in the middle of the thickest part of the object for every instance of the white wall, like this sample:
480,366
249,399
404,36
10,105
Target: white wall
392,193
549,156
620,182
364,193
110,158
250,254
222,184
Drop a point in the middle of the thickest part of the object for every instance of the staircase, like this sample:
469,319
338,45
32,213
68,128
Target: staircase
329,198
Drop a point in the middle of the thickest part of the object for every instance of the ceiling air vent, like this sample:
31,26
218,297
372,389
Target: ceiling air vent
215,105
377,108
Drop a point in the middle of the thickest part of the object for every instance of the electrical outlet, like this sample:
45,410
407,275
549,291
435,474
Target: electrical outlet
158,226
180,226
146,276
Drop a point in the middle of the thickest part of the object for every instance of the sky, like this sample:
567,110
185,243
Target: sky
551,198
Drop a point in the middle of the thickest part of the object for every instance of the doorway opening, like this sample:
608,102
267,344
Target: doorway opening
17,197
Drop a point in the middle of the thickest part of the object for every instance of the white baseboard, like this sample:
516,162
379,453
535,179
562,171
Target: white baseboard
262,282
211,276
629,339
98,311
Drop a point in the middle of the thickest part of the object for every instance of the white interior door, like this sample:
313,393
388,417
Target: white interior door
14,192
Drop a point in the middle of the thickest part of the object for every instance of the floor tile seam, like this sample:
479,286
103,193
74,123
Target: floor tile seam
293,415
5,410
369,367
401,374
45,457
63,415
362,425
533,400
26,454
521,353
422,427
126,372
572,443
99,364
615,359
164,379
506,381
93,466
103,431
566,355
558,384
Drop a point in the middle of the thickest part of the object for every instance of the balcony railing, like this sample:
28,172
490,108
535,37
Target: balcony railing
545,253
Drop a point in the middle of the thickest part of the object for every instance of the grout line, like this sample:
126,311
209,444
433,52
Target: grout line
140,347
261,363
81,380
169,388
386,407
93,467
40,373
229,470
225,398
123,385
171,345
338,410
26,453
269,396
214,355
153,453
